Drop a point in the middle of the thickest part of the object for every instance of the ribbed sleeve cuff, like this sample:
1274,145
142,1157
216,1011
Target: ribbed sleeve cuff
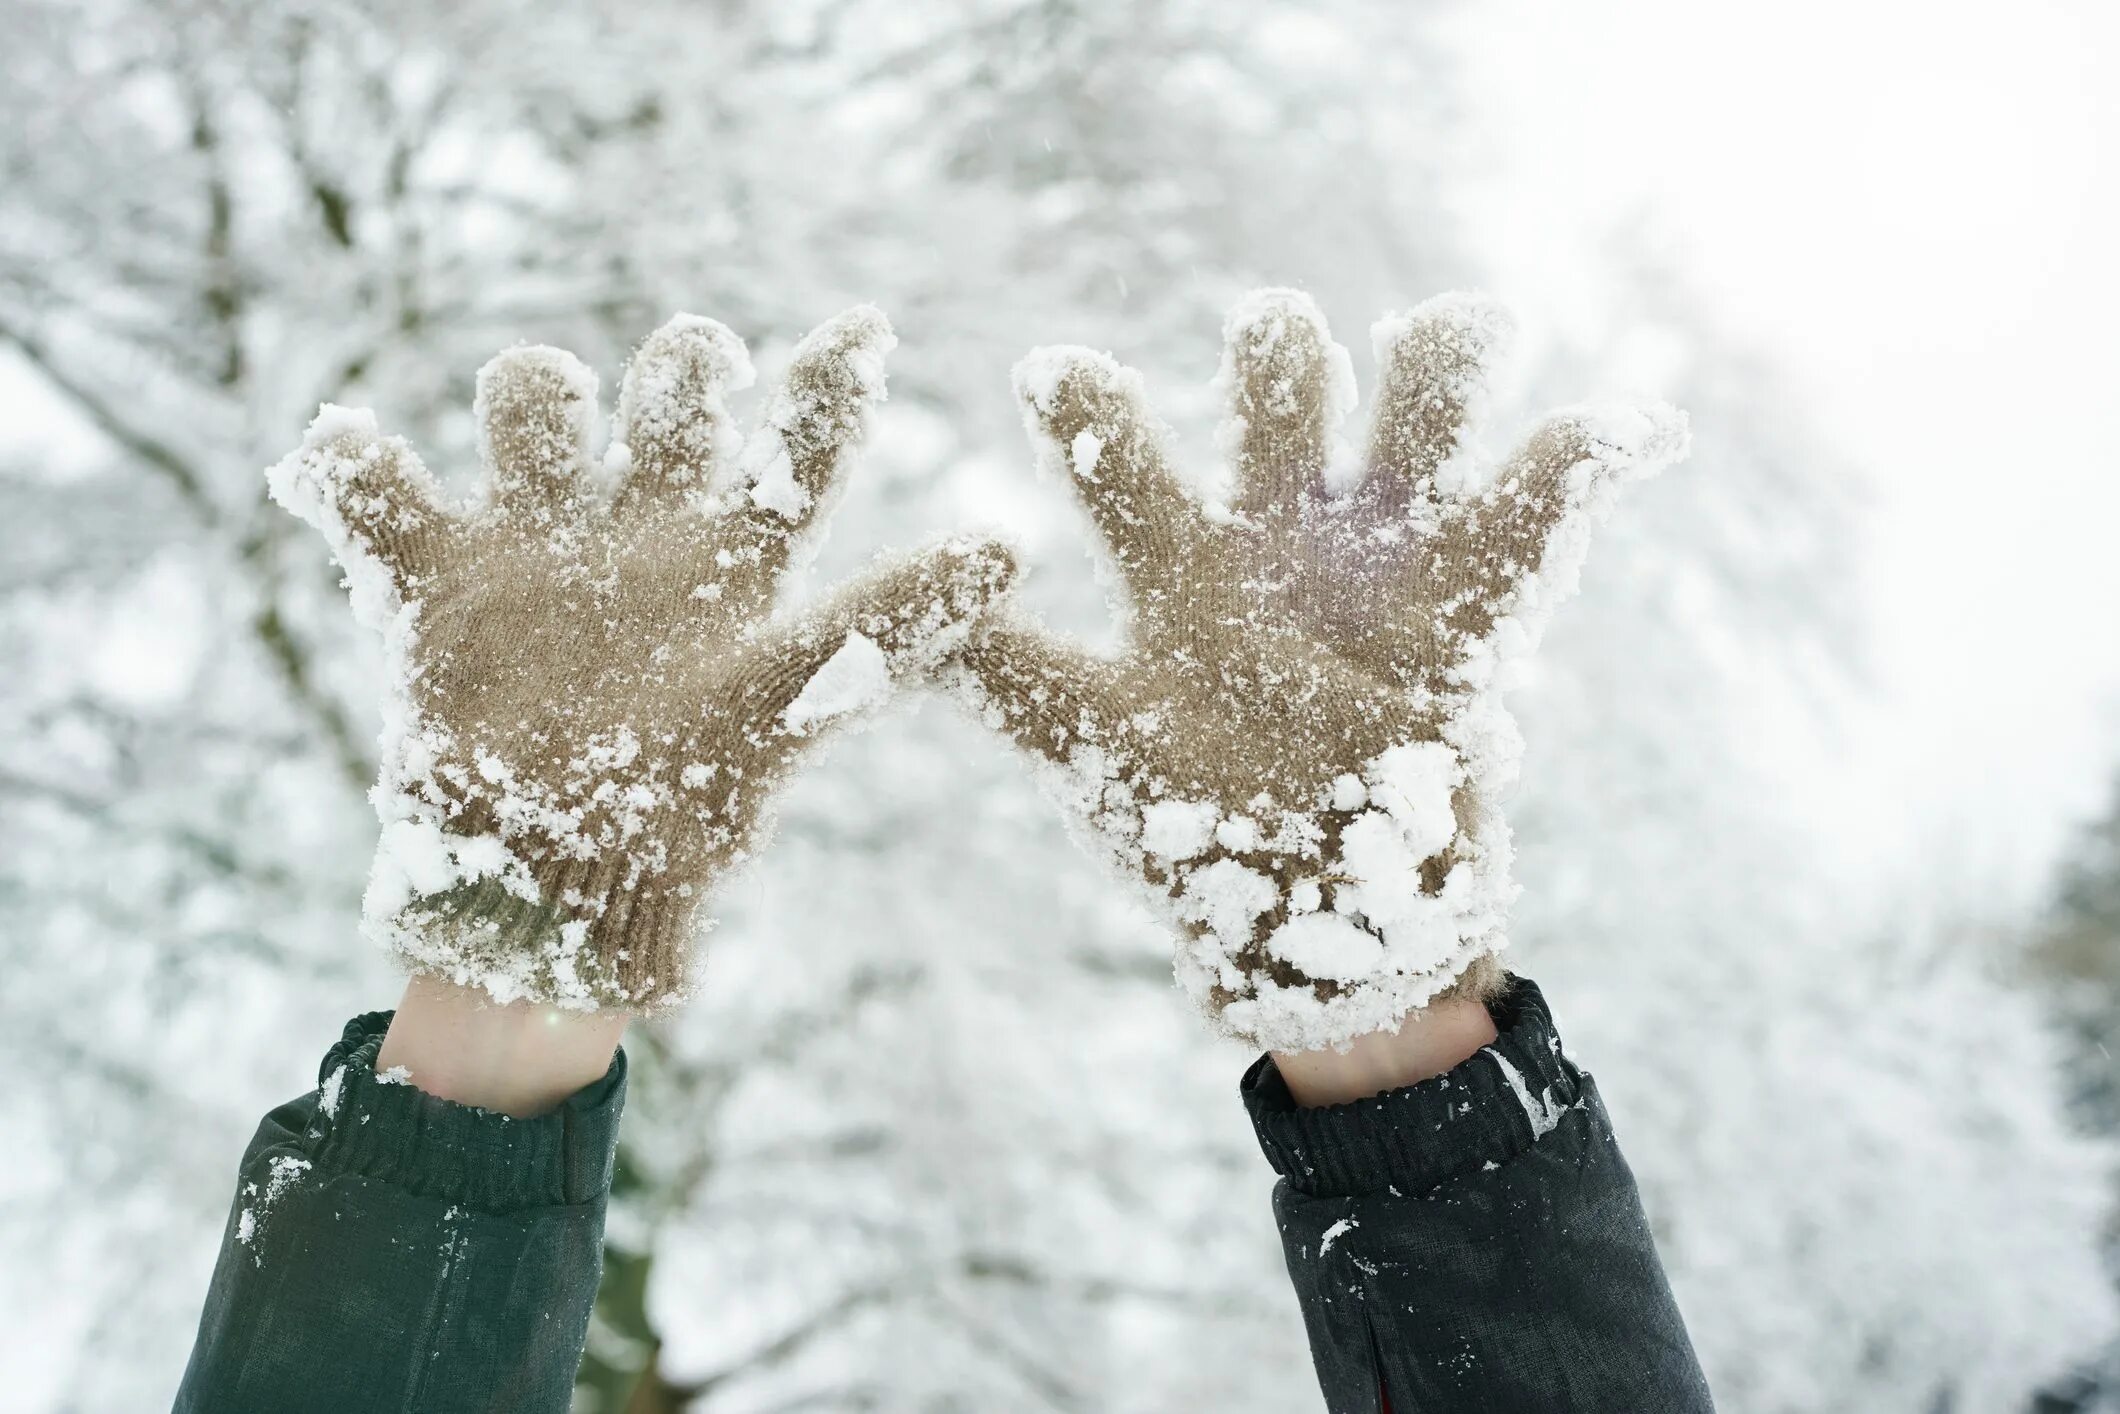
489,1162
1488,1109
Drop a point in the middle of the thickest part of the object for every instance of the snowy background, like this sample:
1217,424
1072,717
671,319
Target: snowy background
1809,828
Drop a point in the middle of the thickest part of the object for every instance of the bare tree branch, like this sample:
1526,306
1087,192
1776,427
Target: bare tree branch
778,1350
159,455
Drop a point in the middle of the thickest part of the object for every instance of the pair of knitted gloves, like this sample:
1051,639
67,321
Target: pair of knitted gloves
1300,752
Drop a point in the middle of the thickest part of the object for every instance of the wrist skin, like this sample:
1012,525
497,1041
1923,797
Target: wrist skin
521,1060
1427,1043
524,1059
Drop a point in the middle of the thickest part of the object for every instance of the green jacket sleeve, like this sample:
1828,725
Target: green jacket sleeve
390,1251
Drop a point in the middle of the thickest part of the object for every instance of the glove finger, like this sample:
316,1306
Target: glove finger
1514,548
894,623
375,502
1290,387
673,413
536,408
796,462
1436,362
1085,412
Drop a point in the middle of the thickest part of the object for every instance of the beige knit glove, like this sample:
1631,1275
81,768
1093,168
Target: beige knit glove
590,701
1302,749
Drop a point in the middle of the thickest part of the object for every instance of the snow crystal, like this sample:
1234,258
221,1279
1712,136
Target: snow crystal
1544,1111
1037,375
1226,897
1327,945
1414,784
617,462
1386,941
285,1171
1083,454
416,858
611,751
1334,1233
1632,439
866,362
1383,862
1173,830
333,422
329,1093
773,484
1037,380
858,676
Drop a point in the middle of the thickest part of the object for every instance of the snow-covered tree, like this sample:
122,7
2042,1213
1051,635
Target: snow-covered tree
1822,1084
2079,956
939,1132
2077,961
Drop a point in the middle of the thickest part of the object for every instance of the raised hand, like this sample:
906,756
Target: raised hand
1302,748
591,701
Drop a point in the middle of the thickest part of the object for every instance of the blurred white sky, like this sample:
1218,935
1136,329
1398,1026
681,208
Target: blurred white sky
1915,206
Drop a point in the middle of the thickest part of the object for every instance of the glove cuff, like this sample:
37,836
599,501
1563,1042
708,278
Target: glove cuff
594,938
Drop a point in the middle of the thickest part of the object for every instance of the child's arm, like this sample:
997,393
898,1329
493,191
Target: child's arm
1472,1241
590,699
1302,748
389,1249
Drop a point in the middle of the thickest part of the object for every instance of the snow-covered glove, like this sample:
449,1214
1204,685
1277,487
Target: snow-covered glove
1301,750
590,701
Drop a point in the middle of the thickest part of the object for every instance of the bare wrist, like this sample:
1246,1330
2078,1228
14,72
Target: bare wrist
1427,1043
522,1059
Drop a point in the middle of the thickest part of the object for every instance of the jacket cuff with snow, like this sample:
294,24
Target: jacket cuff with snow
1484,1111
383,1128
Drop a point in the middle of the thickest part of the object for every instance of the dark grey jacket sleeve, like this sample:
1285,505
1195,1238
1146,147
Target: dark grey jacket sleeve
390,1251
1475,1242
